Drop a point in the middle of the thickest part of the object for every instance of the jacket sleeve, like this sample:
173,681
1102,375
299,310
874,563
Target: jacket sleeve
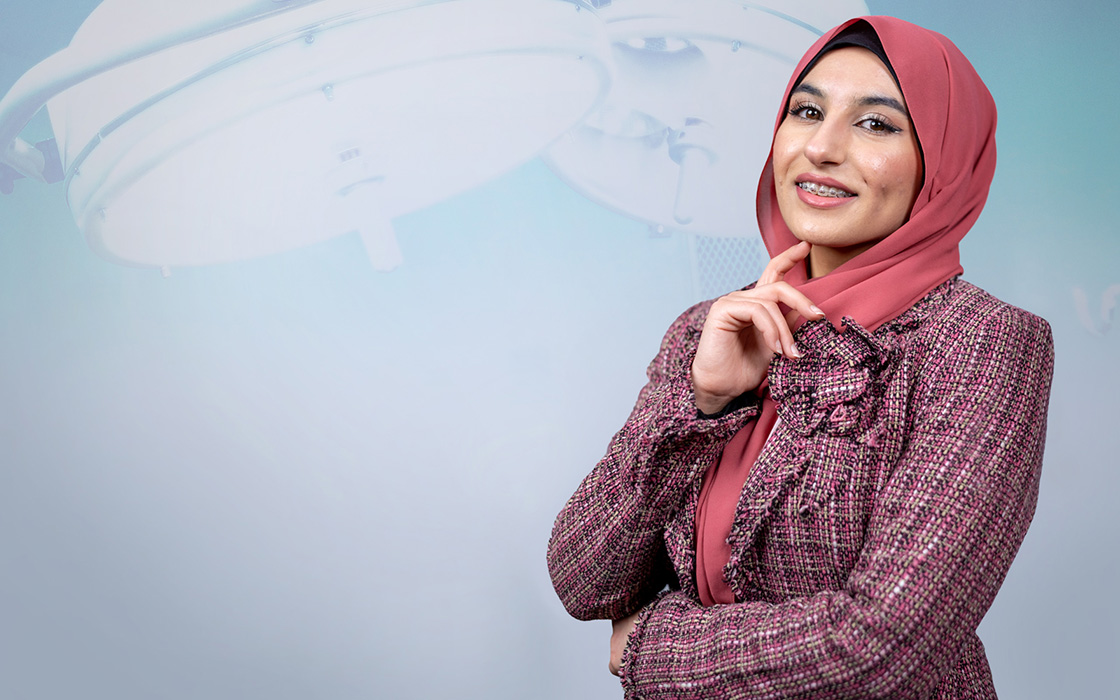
938,544
606,555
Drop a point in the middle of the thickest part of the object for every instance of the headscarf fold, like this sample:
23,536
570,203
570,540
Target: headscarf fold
954,117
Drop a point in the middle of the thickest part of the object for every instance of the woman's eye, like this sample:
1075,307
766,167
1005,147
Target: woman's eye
807,112
879,126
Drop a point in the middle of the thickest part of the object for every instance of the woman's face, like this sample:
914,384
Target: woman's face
847,166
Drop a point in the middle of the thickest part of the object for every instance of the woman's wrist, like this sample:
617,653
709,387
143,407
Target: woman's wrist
710,405
713,410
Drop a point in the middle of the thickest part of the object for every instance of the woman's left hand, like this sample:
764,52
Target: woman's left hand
619,634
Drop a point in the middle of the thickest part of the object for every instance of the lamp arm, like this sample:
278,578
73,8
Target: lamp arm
58,73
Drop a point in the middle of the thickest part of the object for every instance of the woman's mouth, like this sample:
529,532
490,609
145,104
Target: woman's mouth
824,191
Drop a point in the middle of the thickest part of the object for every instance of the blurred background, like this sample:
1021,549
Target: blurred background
333,308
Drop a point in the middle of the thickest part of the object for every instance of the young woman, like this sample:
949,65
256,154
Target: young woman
828,474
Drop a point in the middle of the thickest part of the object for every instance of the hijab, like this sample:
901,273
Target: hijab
954,117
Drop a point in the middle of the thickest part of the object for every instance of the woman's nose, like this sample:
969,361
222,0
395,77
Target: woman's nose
827,144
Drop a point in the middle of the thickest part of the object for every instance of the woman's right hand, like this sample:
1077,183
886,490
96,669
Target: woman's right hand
744,329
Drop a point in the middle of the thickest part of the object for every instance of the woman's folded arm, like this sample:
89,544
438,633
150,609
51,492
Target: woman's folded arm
606,555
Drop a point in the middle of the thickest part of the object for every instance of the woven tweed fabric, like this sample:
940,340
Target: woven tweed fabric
872,533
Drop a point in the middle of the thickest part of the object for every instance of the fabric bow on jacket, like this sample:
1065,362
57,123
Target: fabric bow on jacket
837,384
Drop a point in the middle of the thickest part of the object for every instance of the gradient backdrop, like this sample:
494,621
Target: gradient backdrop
296,478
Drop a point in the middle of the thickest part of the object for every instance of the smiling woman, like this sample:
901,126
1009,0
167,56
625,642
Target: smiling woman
847,166
824,482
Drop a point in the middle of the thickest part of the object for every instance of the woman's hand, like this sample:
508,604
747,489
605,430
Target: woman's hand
619,634
744,330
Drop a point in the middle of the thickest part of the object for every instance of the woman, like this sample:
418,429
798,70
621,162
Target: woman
828,474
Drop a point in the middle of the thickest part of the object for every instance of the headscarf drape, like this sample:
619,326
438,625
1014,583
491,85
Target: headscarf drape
954,117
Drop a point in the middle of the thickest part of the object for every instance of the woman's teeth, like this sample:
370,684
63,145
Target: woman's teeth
822,191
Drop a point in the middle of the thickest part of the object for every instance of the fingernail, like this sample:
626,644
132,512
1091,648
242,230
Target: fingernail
795,350
778,348
816,310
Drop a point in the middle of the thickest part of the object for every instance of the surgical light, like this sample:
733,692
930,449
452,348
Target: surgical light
219,130
681,138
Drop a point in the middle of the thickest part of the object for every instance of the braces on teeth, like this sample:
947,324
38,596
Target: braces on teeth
820,191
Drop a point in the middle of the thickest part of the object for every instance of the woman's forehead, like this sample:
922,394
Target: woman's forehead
852,73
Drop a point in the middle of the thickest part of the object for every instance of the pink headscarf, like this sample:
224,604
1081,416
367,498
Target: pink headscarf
954,117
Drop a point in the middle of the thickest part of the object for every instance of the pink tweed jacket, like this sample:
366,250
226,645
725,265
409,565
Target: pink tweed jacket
873,531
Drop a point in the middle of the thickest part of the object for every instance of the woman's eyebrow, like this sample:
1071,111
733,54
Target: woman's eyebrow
883,101
869,101
806,87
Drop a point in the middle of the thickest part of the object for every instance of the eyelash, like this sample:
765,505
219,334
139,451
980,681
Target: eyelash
798,110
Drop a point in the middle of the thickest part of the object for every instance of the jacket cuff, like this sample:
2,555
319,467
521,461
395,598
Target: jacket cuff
633,641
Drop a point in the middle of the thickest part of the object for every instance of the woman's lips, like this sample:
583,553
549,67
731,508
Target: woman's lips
823,192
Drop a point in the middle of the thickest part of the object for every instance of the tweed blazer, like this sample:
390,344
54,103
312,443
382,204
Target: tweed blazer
871,535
